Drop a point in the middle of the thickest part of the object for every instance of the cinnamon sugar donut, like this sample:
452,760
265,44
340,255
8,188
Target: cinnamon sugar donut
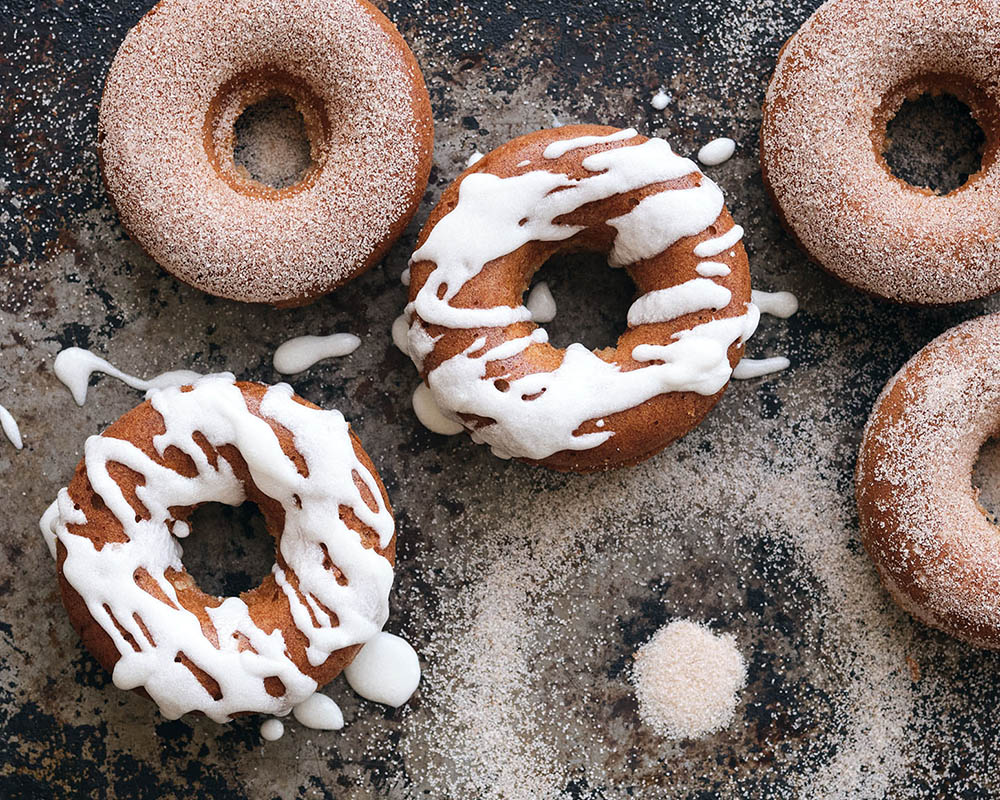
179,82
579,188
839,80
936,549
115,532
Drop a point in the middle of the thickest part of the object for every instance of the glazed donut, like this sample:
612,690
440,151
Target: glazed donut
579,188
839,81
936,550
179,82
115,533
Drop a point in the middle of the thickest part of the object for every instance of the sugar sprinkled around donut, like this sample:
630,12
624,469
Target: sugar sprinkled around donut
717,151
298,354
74,366
319,712
660,100
214,410
9,426
386,670
430,414
272,730
540,303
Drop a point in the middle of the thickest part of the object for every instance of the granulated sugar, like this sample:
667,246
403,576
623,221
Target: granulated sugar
687,680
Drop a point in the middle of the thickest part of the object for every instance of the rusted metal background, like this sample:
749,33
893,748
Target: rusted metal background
747,524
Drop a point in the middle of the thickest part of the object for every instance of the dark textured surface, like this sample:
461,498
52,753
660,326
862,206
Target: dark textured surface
747,523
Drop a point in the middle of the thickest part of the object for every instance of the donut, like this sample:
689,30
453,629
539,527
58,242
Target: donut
936,549
839,81
116,529
179,82
579,188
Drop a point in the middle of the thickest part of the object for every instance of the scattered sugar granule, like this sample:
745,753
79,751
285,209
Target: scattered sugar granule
687,680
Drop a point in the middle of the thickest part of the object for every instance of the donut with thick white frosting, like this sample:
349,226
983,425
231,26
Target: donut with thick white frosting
179,82
116,531
839,81
936,549
579,188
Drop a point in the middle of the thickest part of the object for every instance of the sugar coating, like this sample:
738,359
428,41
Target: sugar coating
834,190
244,245
687,680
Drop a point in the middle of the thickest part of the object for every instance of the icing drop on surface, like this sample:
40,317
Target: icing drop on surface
563,146
776,304
300,353
524,163
430,414
9,426
720,244
272,730
320,713
712,269
215,409
386,670
660,100
759,367
74,366
540,303
717,151
404,277
401,333
475,158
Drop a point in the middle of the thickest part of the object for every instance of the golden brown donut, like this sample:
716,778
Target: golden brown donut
839,81
579,188
116,532
936,549
179,82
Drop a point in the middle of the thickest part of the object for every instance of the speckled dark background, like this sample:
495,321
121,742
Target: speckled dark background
494,70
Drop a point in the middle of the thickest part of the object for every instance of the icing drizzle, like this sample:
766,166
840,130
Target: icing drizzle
9,426
300,353
74,366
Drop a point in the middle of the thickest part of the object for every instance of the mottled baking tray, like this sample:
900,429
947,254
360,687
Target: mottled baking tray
526,592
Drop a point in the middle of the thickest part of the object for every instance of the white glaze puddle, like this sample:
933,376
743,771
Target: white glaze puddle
272,730
74,366
300,353
320,713
758,367
776,304
717,151
541,304
386,670
430,414
9,426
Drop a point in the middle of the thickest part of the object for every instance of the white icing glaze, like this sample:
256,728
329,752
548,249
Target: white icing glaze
300,353
430,414
475,158
404,277
524,163
272,730
386,670
660,100
540,303
74,366
9,426
215,408
712,269
759,367
563,146
776,304
663,305
320,713
717,151
720,244
401,332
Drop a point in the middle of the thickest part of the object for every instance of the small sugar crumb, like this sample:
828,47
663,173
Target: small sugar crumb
687,680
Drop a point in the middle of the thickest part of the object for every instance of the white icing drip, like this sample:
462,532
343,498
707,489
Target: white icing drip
712,269
475,158
9,426
430,414
660,100
758,367
74,366
404,277
720,244
563,146
717,151
272,730
583,387
524,163
300,353
386,670
776,304
320,713
215,408
496,207
663,305
401,332
541,304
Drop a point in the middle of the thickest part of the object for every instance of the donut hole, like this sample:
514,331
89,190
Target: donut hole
934,142
986,479
592,299
229,550
272,145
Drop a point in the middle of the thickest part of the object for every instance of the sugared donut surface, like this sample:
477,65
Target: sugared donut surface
839,81
579,188
179,82
116,534
936,550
